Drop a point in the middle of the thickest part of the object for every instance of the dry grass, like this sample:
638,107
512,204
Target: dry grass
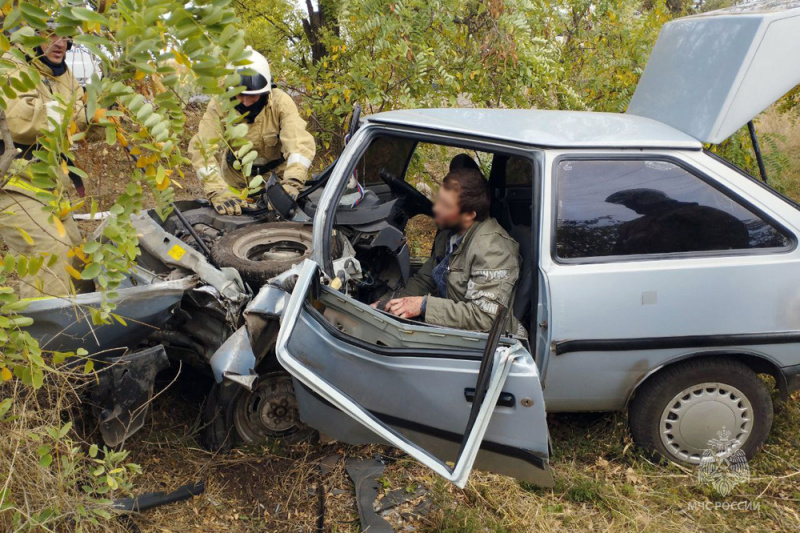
62,496
603,483
780,136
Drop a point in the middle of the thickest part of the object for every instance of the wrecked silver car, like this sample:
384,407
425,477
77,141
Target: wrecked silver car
638,250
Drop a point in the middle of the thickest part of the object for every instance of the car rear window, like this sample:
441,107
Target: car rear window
640,207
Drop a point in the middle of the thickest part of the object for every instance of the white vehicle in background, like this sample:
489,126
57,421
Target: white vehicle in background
83,64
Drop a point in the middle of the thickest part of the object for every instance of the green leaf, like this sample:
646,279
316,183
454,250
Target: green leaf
5,405
91,271
64,430
91,247
81,13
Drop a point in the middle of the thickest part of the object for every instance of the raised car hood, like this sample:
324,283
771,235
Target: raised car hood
710,74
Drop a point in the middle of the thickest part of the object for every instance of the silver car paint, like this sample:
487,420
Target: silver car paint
65,324
709,74
235,360
702,295
408,387
545,128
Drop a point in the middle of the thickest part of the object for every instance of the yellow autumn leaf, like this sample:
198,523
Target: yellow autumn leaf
139,75
80,253
5,373
25,236
68,208
72,272
181,58
62,231
163,185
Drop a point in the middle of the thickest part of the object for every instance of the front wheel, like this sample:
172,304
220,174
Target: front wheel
235,415
708,405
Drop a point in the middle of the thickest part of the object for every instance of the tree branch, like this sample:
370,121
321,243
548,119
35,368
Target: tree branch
9,150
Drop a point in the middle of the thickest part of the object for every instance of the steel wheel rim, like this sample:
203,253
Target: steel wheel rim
702,416
269,411
275,244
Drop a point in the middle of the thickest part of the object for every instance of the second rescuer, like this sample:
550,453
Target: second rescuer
275,128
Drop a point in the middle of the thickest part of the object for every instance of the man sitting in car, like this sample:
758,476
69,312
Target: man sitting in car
474,264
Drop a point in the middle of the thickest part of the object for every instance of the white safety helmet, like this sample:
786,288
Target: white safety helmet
261,81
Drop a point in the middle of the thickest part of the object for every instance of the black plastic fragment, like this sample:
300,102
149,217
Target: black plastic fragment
365,474
157,499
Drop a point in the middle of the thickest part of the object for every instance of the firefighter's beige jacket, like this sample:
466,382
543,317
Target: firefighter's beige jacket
277,131
27,115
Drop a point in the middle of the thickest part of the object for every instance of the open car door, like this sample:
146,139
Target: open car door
443,406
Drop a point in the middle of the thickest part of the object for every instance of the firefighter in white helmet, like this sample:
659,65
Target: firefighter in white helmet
277,132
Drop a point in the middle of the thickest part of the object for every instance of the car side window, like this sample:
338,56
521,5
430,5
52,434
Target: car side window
384,153
638,207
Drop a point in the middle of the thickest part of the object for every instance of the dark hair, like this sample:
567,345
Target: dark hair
463,161
472,189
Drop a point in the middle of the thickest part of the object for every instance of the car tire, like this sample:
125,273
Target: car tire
217,433
263,251
700,406
233,415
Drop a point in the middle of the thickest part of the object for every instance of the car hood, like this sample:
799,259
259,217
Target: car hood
710,74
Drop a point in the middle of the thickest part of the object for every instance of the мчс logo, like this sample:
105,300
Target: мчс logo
724,464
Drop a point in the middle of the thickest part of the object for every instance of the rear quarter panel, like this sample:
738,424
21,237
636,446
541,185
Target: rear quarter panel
723,294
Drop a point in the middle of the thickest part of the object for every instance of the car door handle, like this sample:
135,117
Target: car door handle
506,399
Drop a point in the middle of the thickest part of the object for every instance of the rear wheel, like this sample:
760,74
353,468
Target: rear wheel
708,404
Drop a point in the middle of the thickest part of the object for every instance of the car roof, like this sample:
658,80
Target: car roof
549,129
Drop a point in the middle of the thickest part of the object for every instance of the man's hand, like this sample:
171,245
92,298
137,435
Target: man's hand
228,205
408,307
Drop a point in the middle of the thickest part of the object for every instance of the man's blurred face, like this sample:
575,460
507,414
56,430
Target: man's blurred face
55,49
248,99
447,213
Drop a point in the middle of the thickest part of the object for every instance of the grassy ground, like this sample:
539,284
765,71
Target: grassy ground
603,482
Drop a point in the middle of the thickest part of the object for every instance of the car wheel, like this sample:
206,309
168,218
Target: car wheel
263,251
268,412
704,405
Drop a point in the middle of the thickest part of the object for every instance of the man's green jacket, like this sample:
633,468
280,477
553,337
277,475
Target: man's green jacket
482,273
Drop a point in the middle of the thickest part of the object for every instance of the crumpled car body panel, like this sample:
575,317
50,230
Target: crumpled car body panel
65,324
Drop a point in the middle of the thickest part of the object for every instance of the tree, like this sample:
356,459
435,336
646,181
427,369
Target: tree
171,43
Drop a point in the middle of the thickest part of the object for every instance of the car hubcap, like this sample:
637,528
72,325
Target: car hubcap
269,411
706,416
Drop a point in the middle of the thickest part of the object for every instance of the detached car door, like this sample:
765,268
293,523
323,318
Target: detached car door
451,408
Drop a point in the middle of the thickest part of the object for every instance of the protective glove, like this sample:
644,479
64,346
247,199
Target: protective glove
228,205
55,114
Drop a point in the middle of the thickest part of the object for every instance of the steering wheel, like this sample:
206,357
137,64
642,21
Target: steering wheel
415,202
